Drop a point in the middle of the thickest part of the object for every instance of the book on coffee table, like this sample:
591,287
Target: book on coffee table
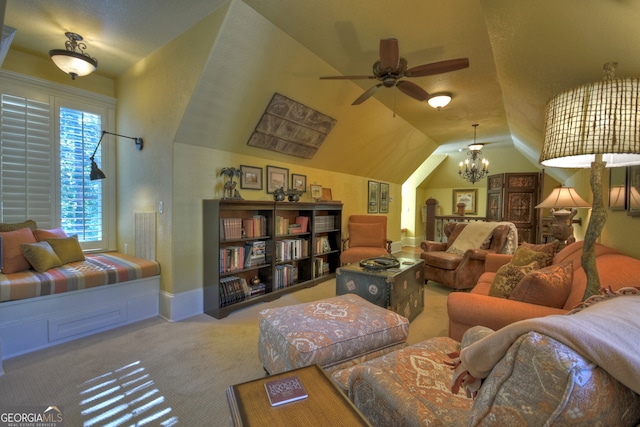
285,390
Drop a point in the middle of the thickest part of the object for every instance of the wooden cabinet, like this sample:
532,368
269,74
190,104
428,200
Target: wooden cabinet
512,197
256,251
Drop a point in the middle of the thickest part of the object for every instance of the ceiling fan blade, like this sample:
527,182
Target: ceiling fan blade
413,90
389,54
367,94
437,67
346,77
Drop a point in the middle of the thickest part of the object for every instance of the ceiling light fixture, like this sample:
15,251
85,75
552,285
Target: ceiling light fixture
73,60
96,173
439,100
472,172
594,126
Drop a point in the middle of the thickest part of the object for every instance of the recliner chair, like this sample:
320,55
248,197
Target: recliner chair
461,271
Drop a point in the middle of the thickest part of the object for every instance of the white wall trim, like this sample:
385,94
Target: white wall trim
176,307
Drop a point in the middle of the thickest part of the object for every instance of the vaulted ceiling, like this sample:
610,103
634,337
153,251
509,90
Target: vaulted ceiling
521,52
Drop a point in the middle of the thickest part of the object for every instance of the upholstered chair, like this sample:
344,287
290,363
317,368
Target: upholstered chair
367,238
458,265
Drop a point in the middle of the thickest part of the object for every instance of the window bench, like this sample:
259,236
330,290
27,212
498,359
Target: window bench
106,290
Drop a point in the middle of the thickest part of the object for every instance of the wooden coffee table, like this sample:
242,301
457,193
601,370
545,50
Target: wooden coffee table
325,406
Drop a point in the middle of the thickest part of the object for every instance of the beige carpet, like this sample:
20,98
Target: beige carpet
180,369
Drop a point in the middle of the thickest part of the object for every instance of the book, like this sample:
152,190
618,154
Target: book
285,390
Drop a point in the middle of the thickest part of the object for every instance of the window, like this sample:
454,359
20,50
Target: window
80,198
47,135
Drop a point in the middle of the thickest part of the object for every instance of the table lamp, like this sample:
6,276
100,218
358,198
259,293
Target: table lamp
563,202
594,126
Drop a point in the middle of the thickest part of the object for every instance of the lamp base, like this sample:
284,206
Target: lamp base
561,227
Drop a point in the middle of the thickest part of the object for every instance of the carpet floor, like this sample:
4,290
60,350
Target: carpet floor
160,373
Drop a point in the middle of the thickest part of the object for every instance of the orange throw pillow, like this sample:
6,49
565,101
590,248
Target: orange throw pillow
549,286
13,259
54,233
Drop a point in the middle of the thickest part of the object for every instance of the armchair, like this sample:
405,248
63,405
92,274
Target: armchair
459,265
367,238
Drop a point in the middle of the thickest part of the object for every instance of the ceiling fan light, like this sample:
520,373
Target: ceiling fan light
475,147
439,100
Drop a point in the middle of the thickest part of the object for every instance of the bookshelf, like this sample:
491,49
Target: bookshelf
256,251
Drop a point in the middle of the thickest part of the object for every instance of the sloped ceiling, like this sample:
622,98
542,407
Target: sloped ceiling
521,52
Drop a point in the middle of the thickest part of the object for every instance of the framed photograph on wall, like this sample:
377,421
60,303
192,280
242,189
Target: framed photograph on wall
276,178
384,198
299,182
374,196
468,197
250,177
633,191
618,189
316,191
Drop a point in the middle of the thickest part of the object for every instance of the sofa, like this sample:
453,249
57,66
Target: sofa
577,369
477,307
459,262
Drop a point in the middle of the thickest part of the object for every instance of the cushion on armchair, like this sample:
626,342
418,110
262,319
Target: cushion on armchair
366,235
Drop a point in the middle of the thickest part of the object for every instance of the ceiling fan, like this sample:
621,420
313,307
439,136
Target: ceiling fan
391,67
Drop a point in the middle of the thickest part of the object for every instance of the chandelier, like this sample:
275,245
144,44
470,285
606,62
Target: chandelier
472,169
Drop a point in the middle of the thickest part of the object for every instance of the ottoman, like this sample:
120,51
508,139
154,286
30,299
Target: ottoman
334,333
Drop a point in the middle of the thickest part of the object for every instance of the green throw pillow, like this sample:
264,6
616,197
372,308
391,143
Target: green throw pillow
41,256
507,277
67,249
525,255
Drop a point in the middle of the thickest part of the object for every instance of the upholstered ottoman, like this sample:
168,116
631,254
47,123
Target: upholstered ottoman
334,333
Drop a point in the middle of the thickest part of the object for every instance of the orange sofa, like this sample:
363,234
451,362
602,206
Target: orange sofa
468,309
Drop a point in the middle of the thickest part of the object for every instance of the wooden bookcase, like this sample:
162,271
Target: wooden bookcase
294,259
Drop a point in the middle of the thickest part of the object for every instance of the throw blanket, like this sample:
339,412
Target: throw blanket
474,234
605,330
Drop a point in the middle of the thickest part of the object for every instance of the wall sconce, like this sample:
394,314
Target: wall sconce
559,200
73,60
439,100
96,173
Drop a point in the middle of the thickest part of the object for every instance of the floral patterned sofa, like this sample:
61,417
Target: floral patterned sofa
529,373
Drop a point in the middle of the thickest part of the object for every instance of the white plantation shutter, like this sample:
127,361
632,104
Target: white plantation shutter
26,161
47,134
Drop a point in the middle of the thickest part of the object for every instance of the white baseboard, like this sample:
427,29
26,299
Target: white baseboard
176,307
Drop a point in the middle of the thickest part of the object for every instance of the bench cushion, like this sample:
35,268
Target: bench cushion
96,270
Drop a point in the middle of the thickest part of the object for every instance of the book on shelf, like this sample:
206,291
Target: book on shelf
285,390
231,228
233,289
304,223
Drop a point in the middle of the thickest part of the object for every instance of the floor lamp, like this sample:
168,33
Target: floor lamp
594,126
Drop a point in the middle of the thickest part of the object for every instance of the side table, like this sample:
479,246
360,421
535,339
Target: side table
325,406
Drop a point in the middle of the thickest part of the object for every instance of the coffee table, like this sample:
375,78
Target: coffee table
398,289
325,406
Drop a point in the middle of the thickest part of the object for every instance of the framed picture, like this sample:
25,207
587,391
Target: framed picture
250,177
633,191
618,189
468,197
384,198
326,195
316,191
276,178
374,196
299,182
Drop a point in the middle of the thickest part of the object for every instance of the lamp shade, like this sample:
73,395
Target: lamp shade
596,118
563,197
